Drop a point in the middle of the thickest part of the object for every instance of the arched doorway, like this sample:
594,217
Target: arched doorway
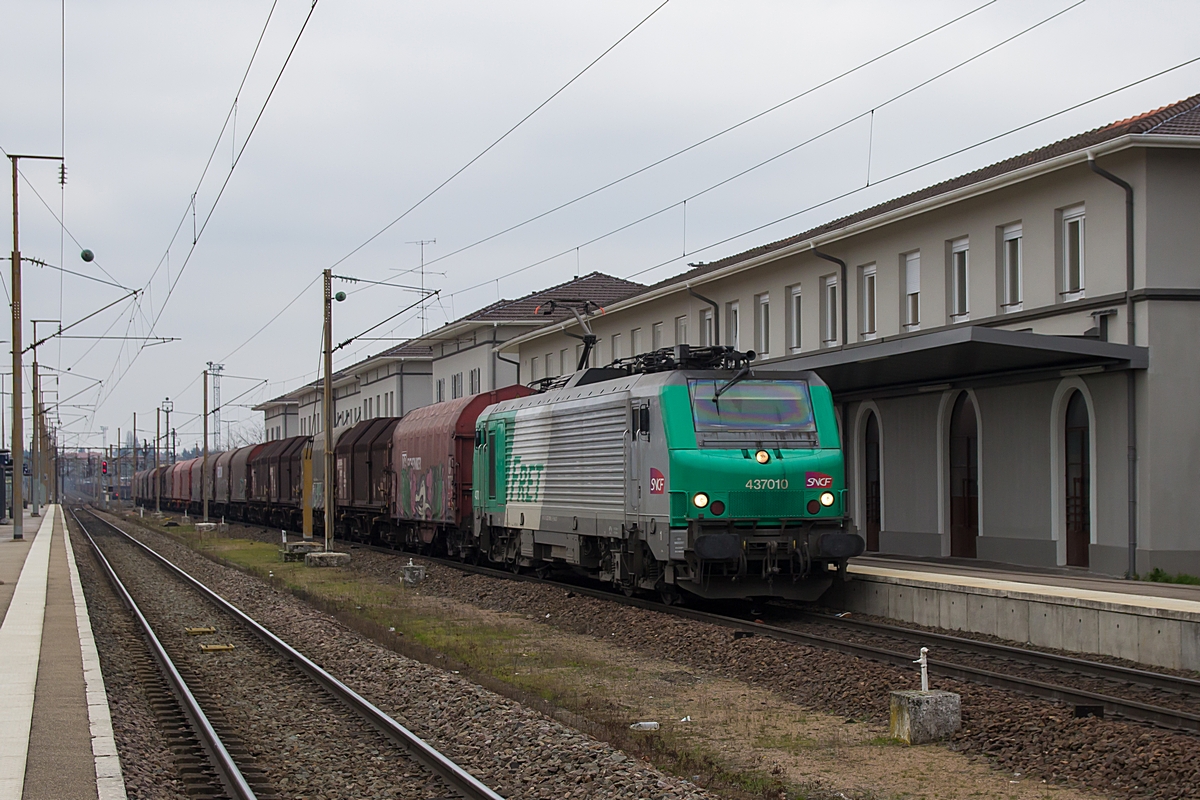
872,506
1078,477
964,477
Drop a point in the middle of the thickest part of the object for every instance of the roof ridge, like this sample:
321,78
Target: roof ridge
1183,107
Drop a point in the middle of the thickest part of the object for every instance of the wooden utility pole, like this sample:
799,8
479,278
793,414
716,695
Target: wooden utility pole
204,463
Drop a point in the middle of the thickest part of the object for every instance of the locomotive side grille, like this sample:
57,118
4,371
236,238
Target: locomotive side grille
577,454
789,504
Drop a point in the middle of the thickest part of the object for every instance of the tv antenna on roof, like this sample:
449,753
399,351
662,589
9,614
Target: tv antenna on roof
421,313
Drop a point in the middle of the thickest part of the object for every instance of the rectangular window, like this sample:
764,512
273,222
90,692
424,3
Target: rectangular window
1073,253
378,409
456,385
912,290
681,331
534,366
635,341
441,389
1011,246
616,346
959,250
866,301
762,324
706,328
829,311
564,357
794,308
475,388
656,336
734,321
550,373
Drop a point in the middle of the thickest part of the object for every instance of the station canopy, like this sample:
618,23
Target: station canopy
970,353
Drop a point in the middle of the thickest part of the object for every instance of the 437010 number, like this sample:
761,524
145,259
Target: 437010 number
767,483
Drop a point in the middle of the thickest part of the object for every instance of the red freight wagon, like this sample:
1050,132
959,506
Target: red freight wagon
432,455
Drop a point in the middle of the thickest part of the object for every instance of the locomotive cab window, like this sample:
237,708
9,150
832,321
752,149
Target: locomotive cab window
753,409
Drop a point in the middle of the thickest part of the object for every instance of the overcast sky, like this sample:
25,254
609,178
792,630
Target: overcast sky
383,101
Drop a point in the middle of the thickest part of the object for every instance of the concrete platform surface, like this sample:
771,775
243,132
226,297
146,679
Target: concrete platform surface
1064,577
55,730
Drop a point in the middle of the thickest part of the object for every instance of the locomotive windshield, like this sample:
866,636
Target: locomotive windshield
753,409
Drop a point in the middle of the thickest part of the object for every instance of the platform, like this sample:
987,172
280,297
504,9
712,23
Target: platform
56,736
1149,623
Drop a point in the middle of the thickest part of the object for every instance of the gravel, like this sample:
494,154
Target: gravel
146,760
1016,733
516,750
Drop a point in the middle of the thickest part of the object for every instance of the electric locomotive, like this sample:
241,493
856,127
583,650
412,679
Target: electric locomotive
681,471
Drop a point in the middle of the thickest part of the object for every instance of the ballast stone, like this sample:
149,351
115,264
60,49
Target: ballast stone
918,717
327,559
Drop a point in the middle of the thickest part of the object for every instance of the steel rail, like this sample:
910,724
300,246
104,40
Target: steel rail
228,771
1115,706
1095,669
461,780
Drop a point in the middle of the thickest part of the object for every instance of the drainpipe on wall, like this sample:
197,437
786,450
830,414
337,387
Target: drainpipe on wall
516,364
716,314
842,281
1130,384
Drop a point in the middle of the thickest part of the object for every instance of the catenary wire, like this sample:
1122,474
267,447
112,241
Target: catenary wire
920,166
779,155
503,136
710,137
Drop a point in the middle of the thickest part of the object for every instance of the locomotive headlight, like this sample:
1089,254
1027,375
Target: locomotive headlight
700,500
762,456
826,499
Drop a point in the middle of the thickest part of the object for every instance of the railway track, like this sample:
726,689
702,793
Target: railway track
257,697
1143,696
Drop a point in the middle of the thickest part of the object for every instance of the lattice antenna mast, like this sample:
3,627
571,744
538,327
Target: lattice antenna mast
421,314
214,372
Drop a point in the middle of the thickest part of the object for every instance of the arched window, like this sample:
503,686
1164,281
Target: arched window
1078,478
964,477
872,505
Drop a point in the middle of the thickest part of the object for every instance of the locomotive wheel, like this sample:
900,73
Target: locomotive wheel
669,596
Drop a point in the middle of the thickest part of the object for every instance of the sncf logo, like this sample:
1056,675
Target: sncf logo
818,480
658,483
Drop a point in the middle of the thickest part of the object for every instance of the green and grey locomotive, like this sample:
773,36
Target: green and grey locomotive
679,472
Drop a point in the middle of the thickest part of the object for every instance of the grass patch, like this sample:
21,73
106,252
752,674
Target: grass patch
1159,575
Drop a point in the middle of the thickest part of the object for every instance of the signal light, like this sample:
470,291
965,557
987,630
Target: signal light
103,467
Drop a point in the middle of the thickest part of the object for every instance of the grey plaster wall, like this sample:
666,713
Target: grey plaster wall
1111,526
1015,449
1169,447
910,475
1014,550
1169,203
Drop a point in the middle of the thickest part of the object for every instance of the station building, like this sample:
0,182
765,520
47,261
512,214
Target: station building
1015,352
